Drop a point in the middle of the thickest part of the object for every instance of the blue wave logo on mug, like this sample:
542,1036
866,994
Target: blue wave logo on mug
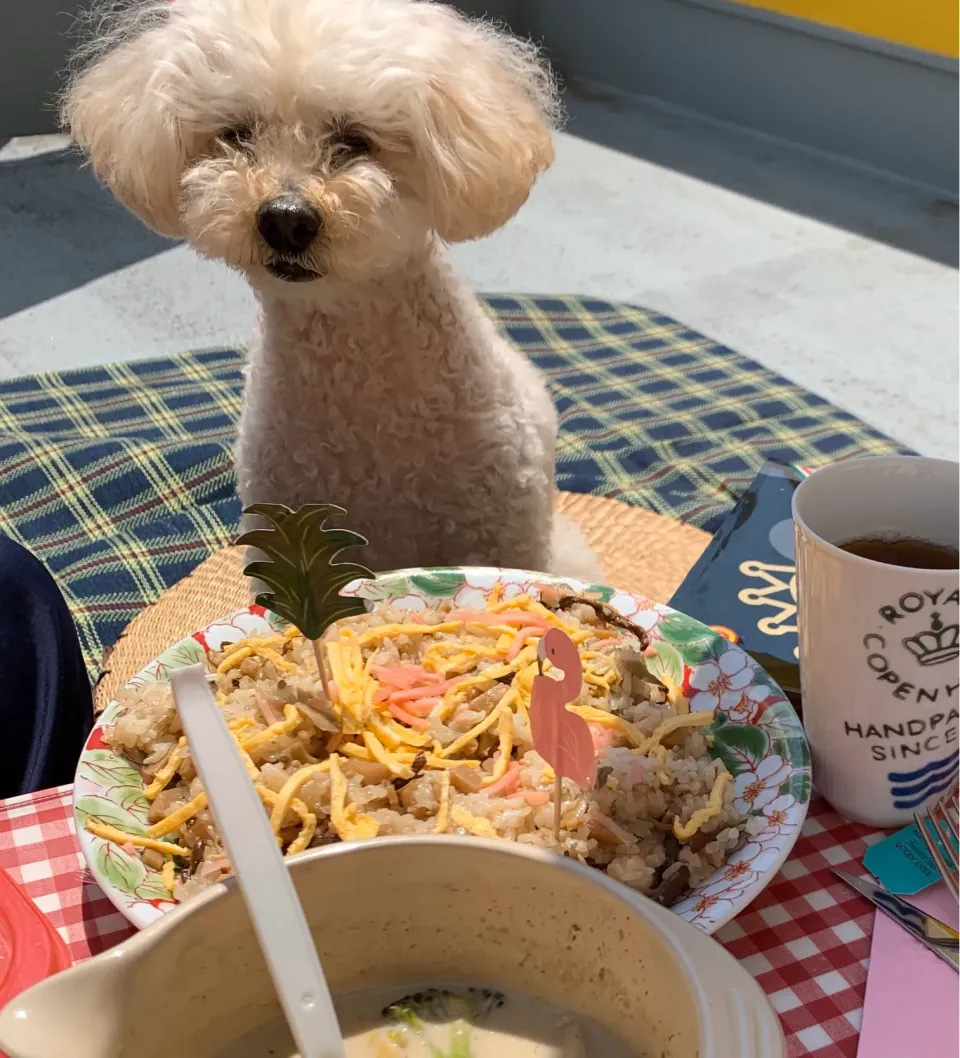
910,789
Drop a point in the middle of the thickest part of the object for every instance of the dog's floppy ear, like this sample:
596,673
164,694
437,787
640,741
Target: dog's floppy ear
485,124
119,111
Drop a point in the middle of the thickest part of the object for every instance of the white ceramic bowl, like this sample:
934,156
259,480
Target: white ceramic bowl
408,910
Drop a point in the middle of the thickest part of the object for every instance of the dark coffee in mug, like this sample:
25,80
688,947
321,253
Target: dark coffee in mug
903,551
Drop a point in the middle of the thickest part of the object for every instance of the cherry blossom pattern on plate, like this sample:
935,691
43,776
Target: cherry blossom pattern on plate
719,683
781,817
760,750
493,586
732,886
702,909
729,889
396,589
409,602
646,614
757,856
239,625
735,877
754,788
749,707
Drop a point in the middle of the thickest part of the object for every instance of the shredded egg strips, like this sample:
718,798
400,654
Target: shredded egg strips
381,738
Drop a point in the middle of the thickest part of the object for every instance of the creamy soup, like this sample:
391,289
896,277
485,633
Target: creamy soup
450,1022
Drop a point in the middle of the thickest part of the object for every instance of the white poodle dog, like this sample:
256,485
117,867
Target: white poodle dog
328,149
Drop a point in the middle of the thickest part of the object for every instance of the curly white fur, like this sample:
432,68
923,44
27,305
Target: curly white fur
377,383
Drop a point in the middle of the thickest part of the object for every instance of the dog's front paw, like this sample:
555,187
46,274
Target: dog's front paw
571,555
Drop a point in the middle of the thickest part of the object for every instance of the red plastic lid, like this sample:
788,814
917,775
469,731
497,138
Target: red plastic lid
30,948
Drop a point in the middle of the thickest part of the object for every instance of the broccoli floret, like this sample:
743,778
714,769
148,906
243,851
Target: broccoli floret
400,1011
440,1004
460,1040
462,1009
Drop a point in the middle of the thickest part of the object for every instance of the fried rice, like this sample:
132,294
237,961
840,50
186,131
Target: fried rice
424,728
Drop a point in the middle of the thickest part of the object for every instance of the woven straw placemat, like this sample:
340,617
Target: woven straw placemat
640,552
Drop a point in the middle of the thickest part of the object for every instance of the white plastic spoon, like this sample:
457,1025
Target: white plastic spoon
261,874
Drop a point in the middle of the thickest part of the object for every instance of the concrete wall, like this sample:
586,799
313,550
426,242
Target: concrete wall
874,103
35,38
862,99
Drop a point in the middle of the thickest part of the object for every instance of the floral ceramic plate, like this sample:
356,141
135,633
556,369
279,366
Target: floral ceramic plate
756,733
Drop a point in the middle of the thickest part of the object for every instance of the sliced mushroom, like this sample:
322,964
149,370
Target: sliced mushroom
668,892
370,771
488,699
418,797
466,780
635,663
153,859
202,828
317,710
551,594
196,858
699,841
250,667
165,802
323,837
606,832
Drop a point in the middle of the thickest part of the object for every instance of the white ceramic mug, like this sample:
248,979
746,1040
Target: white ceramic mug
878,643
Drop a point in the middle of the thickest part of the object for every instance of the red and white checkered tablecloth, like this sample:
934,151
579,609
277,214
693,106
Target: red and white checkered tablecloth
806,938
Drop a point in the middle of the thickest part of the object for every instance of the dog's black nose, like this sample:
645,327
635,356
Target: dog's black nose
288,223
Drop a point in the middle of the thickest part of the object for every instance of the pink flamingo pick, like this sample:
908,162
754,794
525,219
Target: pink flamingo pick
562,738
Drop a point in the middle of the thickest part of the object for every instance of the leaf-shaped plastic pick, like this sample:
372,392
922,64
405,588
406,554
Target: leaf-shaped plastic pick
299,570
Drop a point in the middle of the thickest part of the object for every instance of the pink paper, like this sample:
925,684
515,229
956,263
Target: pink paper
562,738
911,1006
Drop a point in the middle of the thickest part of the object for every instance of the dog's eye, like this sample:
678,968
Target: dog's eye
353,141
239,137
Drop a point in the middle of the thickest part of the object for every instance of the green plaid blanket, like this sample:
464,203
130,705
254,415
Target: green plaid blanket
120,478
